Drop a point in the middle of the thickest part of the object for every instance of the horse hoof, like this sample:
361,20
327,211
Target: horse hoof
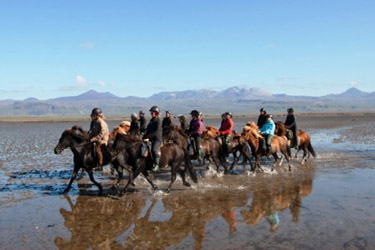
187,184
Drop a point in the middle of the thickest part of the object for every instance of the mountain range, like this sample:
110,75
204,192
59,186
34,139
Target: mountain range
238,100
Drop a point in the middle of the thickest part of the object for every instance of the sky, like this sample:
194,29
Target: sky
137,48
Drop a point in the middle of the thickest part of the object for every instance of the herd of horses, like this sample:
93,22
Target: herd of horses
128,152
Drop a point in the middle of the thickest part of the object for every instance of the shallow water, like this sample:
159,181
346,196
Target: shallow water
326,204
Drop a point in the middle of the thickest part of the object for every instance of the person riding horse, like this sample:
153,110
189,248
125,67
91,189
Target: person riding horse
291,124
98,132
262,117
183,123
154,133
196,132
225,130
142,122
134,125
268,131
167,121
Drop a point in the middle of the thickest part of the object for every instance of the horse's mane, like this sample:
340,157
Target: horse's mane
181,132
129,138
252,125
78,133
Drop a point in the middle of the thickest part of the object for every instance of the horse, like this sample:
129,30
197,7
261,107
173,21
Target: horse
304,141
278,143
237,144
171,155
177,135
78,141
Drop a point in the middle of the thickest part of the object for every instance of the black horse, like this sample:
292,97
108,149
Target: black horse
171,155
78,141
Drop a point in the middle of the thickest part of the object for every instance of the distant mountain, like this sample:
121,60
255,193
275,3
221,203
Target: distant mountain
351,93
238,100
90,95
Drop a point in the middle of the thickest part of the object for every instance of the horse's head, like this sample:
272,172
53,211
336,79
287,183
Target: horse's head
280,129
69,137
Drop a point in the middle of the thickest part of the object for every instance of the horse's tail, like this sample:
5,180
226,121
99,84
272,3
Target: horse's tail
189,166
311,150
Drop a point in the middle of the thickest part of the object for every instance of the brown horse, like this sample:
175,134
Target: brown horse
304,140
237,144
279,144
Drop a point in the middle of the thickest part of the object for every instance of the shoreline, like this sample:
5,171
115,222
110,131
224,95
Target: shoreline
119,118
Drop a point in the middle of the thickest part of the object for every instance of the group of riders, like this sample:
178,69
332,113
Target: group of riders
153,130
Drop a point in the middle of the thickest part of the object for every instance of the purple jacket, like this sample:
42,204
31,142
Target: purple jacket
196,127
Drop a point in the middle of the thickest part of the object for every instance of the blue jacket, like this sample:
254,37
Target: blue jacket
268,128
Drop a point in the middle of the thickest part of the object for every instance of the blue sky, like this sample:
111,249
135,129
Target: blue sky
59,48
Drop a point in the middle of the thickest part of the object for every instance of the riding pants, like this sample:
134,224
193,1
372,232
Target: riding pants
155,149
268,139
197,145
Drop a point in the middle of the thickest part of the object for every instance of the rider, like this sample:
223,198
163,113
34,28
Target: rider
226,131
183,123
268,131
290,123
262,117
196,131
98,132
167,121
154,134
134,125
142,122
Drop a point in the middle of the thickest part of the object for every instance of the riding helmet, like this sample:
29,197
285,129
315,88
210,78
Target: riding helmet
261,110
290,110
194,113
155,109
96,111
134,115
229,114
141,112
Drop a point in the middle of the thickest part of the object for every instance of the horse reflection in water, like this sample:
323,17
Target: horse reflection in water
278,195
129,223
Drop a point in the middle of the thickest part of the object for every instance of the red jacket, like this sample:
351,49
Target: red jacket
226,127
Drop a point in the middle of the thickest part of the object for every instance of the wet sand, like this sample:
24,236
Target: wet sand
325,204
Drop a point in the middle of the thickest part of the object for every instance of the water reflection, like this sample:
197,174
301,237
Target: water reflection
277,195
141,221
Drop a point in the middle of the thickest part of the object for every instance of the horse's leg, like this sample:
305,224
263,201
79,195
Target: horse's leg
145,174
173,177
257,164
91,175
132,177
74,175
304,158
281,160
184,182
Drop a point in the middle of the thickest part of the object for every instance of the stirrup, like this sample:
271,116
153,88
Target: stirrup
155,168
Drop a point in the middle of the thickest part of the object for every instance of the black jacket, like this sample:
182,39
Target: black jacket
134,127
261,121
290,122
167,121
154,130
142,124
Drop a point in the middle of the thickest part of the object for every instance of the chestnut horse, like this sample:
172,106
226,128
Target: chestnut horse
279,144
304,141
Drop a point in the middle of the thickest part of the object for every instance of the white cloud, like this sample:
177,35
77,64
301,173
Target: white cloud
80,81
354,83
80,84
101,83
87,45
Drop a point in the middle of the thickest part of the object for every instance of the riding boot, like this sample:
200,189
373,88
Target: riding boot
155,167
199,155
